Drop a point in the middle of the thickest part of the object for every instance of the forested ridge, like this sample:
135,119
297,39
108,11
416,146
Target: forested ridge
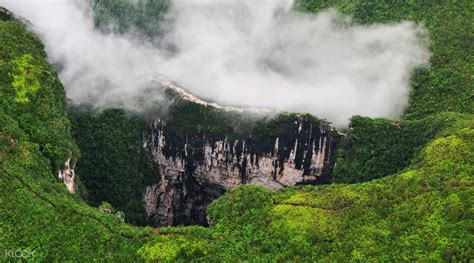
402,190
37,213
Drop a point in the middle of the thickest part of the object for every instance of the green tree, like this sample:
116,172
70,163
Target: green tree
25,76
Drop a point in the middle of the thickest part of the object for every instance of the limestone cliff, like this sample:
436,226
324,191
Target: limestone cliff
67,174
198,166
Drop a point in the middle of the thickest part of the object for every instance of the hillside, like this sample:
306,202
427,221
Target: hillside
181,160
421,210
447,85
423,213
38,214
400,190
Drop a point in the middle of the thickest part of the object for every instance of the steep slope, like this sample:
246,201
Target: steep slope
374,148
38,216
201,149
371,149
447,85
200,155
421,210
114,166
377,148
424,213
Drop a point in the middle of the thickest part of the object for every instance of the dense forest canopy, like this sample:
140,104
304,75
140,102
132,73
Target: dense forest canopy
402,190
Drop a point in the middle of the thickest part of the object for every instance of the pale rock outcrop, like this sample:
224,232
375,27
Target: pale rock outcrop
195,169
67,175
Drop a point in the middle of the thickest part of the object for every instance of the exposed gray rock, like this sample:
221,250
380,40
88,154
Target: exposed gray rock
195,169
67,174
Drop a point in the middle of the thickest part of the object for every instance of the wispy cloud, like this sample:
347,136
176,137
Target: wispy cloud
239,52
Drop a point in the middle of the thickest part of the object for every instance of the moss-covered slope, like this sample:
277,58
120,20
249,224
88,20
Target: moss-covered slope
377,148
114,166
420,211
37,213
374,148
424,213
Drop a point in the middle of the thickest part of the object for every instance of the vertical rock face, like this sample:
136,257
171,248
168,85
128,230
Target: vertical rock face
196,169
67,175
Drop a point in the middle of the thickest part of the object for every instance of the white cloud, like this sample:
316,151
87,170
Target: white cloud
240,52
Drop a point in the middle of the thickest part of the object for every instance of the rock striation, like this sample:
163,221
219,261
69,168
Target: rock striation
195,168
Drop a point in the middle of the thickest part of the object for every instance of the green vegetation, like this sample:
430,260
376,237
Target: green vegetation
25,78
37,213
32,95
421,210
425,213
185,117
192,118
142,16
274,126
376,148
114,167
448,83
